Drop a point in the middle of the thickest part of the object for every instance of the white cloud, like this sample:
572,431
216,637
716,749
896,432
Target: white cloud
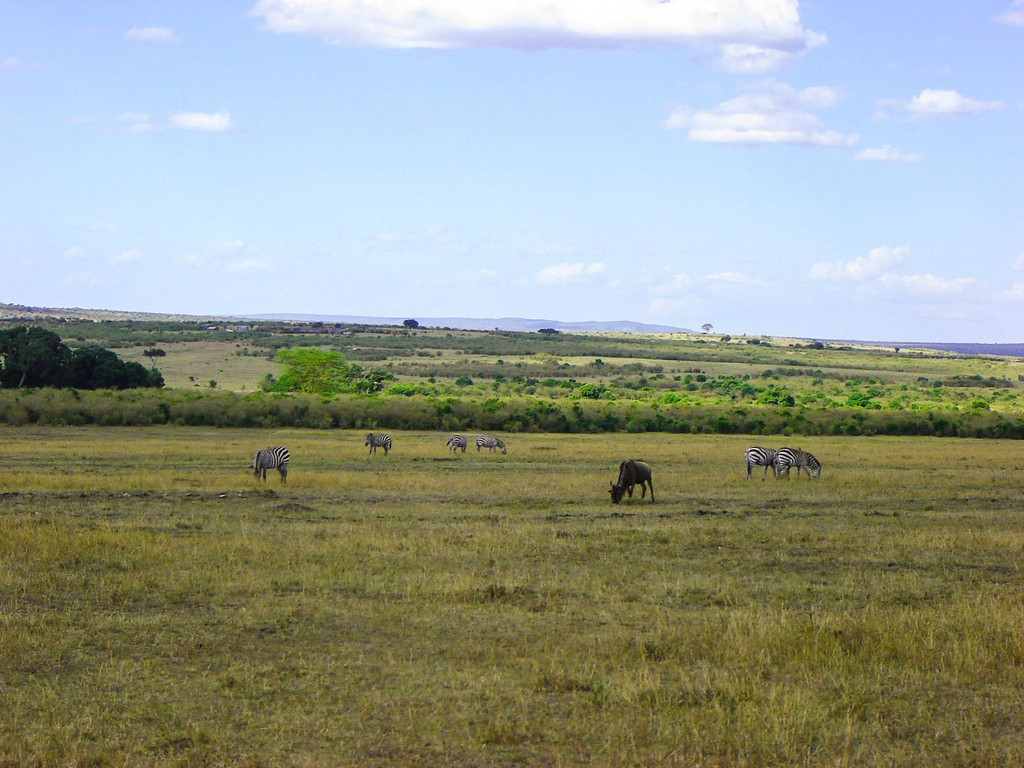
763,31
671,285
251,266
755,59
730,277
938,103
1014,293
137,122
888,154
877,262
152,35
1014,16
568,272
924,285
231,246
1019,263
126,257
14,64
74,252
771,113
202,121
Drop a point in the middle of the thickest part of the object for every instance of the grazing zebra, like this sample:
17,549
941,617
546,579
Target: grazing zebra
490,442
378,441
790,457
271,458
762,457
455,442
632,472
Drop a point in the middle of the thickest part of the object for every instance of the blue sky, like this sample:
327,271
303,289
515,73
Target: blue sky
823,169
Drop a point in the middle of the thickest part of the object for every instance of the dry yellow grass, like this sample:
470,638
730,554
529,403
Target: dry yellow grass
159,606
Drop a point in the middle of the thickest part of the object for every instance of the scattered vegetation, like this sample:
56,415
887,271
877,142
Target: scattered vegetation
428,378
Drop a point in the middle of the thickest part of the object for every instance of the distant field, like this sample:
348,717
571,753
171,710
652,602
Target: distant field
159,606
192,364
434,378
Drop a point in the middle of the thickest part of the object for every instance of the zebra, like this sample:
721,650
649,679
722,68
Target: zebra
378,441
790,457
271,458
762,457
490,442
456,442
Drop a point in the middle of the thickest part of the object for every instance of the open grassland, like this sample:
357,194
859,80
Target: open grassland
159,606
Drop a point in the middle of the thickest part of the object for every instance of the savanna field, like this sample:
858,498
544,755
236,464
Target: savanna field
159,606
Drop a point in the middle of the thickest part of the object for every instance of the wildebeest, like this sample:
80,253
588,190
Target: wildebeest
632,472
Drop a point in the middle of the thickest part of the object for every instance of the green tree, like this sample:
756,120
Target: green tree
32,357
316,371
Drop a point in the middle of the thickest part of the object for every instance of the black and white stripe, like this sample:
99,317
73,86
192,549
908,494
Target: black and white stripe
788,458
490,442
378,441
456,442
276,457
762,457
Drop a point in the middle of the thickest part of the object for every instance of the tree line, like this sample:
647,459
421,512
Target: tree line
37,357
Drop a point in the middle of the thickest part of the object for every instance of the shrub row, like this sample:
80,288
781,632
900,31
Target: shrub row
519,414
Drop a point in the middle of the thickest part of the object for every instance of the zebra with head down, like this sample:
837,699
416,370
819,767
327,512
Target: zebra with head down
761,457
457,442
794,457
490,442
276,457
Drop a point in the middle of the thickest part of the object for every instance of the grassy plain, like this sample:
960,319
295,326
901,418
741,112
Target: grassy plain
159,606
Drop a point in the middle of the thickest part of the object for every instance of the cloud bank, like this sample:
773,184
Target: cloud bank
769,113
753,34
939,103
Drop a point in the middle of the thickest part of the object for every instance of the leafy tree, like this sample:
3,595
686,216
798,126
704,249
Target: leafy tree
707,327
98,368
411,324
36,357
32,357
316,371
154,353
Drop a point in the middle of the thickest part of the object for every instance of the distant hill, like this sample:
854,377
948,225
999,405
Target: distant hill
26,314
957,347
485,324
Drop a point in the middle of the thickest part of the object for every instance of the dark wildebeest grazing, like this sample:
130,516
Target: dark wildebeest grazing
632,473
